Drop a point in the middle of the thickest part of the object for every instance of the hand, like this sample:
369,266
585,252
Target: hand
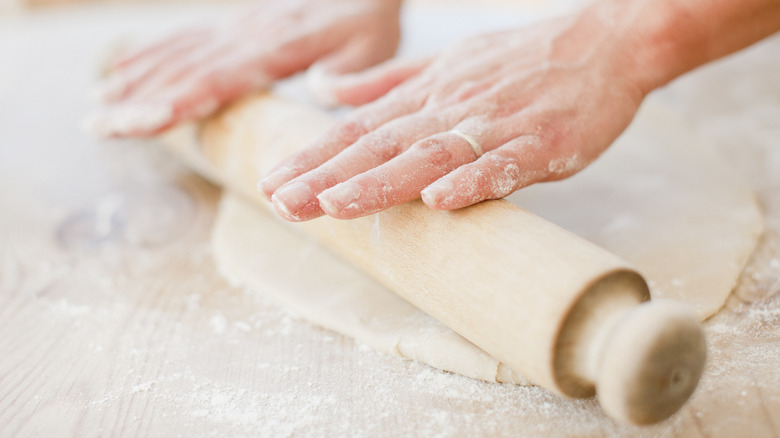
191,74
539,104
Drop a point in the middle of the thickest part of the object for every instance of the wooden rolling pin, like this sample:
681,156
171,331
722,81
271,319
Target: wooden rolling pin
563,312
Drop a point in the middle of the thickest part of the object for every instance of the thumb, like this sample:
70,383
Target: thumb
332,83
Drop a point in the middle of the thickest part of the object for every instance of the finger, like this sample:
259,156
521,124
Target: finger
402,179
363,87
131,56
194,98
186,69
372,150
496,174
126,78
211,89
357,54
339,137
137,120
293,51
399,180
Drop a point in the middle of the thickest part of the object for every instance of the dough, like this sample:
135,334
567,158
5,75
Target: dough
658,198
666,203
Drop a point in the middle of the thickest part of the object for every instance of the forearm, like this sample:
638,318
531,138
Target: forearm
391,6
663,39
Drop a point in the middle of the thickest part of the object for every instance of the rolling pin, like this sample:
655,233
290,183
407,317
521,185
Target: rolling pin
561,311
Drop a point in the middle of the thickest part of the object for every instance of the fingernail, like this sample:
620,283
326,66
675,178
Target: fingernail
274,180
436,192
292,198
339,197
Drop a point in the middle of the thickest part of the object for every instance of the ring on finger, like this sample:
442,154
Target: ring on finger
475,146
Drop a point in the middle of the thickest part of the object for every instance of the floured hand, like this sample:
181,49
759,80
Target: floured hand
488,116
193,73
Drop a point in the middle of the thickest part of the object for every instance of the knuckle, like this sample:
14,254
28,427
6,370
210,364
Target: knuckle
434,151
349,130
410,94
382,148
292,45
210,81
561,159
565,166
469,89
503,176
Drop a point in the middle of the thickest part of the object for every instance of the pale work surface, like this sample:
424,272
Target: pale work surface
113,319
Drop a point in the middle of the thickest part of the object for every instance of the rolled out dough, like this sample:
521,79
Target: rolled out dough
658,197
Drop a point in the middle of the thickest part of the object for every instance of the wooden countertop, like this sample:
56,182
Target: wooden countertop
114,321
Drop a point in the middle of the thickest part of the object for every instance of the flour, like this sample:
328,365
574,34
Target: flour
64,308
321,83
105,214
565,165
129,118
376,231
114,344
218,323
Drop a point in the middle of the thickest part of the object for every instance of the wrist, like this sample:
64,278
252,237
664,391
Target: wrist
663,39
631,41
389,4
594,38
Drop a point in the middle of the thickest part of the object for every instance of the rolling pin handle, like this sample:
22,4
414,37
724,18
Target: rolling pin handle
650,362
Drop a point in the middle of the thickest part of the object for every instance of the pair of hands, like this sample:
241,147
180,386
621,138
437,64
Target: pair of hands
540,103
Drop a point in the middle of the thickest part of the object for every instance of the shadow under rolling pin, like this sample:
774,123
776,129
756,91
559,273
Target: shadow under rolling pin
561,311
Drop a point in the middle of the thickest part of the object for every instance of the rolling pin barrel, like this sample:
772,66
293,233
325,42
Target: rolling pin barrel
561,311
